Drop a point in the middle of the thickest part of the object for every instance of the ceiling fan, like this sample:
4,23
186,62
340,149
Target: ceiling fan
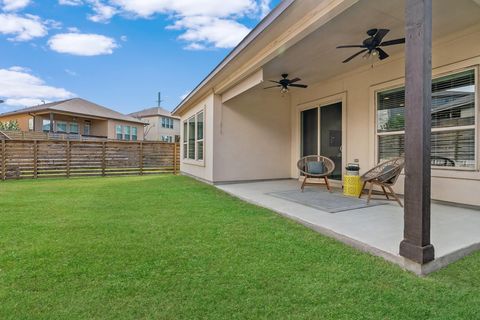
371,45
285,83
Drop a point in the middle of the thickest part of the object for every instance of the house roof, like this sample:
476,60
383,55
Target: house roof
152,112
77,106
253,35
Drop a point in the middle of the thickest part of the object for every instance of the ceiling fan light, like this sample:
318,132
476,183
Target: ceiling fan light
375,52
284,90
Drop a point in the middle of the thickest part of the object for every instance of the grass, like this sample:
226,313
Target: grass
170,247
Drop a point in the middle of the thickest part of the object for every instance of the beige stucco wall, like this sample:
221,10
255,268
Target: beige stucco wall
252,139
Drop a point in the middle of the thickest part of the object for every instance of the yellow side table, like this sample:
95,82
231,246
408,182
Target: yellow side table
352,186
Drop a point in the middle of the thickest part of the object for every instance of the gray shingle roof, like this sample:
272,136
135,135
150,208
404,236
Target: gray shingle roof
77,106
151,112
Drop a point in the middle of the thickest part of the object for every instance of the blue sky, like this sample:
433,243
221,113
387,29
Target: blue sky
118,53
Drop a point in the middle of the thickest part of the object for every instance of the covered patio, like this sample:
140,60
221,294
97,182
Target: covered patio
376,229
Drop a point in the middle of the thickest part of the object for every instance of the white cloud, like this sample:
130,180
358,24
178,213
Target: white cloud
82,44
73,30
70,72
20,88
200,31
12,5
22,28
103,12
70,2
124,38
183,96
204,23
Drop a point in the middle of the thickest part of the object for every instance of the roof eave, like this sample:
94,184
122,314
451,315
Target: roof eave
264,24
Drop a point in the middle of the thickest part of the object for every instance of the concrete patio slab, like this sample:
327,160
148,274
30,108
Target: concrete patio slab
378,229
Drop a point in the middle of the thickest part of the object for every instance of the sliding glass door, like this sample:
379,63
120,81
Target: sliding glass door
321,133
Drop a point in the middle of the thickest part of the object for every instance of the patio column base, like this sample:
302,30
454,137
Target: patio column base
416,253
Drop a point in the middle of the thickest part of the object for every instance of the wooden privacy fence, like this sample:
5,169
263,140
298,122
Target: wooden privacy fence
49,158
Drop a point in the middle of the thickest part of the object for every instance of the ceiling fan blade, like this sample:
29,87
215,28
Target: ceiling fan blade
351,46
356,54
295,80
379,35
274,81
382,54
298,85
278,86
392,42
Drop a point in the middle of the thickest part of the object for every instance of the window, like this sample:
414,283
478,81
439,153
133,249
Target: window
200,136
167,139
126,132
184,142
119,132
73,127
87,126
134,133
193,137
453,121
61,126
46,125
167,123
30,124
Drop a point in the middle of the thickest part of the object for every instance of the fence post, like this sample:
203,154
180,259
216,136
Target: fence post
35,159
69,151
104,156
4,156
141,158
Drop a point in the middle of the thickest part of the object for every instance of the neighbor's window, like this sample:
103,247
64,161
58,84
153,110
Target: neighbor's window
30,124
167,123
453,121
46,125
193,137
167,139
119,132
73,127
134,133
61,126
126,132
87,126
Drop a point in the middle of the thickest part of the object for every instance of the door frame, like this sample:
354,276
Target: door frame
318,103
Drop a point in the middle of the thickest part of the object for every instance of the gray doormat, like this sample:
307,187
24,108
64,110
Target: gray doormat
324,200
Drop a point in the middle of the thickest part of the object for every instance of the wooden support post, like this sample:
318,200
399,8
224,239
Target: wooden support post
4,160
416,245
51,122
69,154
104,157
35,159
141,158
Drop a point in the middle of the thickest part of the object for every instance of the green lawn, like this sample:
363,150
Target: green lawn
170,247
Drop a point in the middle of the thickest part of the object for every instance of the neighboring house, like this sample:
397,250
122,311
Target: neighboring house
162,126
234,130
77,118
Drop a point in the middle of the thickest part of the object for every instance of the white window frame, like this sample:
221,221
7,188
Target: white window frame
131,133
167,123
437,73
185,146
88,123
116,132
125,133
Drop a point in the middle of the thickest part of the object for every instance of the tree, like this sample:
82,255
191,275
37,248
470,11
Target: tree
11,125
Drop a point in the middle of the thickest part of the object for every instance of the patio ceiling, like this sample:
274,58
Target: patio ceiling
315,58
